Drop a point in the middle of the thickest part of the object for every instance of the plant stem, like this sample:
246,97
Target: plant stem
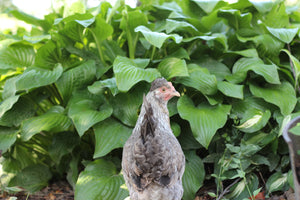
98,44
245,180
153,52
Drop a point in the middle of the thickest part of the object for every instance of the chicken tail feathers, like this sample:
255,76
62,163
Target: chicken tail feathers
148,124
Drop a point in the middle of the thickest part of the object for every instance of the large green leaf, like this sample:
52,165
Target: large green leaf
200,79
126,105
243,65
98,86
215,67
172,25
231,90
62,144
76,78
127,73
86,112
172,67
15,55
207,5
284,34
277,17
157,38
21,110
102,30
36,77
110,134
51,121
204,120
262,6
211,39
131,20
100,180
8,137
193,176
235,18
33,177
274,94
7,104
47,56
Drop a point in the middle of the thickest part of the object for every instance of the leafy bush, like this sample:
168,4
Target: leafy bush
73,85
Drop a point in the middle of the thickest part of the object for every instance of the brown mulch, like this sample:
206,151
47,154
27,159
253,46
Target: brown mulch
63,191
56,191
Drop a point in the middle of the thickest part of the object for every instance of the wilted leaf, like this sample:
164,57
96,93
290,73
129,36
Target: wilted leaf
100,180
127,73
254,120
172,67
274,93
110,134
204,120
193,176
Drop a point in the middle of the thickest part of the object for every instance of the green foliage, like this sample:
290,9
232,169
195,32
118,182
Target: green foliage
71,93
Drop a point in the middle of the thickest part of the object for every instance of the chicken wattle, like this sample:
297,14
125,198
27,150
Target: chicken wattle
153,162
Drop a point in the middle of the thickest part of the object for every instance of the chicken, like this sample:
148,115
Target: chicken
153,162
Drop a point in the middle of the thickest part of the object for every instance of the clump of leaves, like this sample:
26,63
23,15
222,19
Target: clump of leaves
71,90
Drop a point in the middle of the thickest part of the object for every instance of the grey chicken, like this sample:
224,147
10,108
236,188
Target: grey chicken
153,162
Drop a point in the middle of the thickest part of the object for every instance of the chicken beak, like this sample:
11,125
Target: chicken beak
175,93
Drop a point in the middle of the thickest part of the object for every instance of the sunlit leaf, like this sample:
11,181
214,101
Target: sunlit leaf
284,34
172,67
157,38
127,73
206,5
204,120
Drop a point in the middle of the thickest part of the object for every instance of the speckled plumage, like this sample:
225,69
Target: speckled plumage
153,162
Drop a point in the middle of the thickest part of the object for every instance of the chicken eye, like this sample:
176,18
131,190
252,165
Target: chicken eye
163,89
